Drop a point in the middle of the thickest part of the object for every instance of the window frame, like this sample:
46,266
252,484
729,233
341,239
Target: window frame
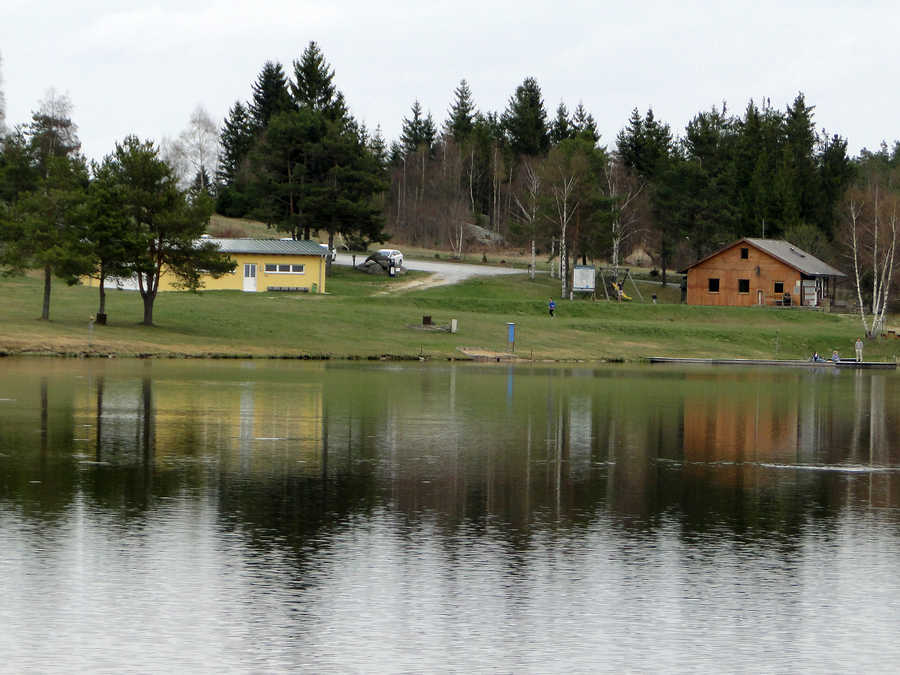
745,253
709,285
291,268
775,285
742,282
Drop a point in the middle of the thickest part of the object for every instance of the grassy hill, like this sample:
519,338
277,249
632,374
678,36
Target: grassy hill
365,317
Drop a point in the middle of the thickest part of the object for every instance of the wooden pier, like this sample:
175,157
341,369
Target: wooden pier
793,363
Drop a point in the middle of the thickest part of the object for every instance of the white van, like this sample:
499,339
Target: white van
330,254
393,255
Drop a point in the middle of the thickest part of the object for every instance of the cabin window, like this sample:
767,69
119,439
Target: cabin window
283,268
713,285
779,287
743,285
745,253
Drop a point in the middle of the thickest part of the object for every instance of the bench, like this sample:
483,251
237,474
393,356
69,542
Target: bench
288,289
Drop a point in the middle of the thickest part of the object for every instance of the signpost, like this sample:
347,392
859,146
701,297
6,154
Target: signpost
584,279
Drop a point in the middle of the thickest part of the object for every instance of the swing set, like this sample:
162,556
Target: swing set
618,287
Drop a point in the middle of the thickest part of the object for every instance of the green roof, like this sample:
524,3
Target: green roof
269,246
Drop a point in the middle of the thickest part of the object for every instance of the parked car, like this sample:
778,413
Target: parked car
330,254
392,254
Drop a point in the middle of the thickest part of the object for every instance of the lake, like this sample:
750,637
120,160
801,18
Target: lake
332,517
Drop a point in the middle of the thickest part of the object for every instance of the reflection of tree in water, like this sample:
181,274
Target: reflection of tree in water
506,453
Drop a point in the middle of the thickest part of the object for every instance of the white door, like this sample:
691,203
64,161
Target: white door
250,277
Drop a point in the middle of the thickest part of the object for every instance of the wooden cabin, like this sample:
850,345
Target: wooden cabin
767,272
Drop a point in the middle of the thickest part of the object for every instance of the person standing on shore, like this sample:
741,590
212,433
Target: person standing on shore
552,307
859,346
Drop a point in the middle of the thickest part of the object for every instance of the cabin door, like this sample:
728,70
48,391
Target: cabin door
250,277
759,297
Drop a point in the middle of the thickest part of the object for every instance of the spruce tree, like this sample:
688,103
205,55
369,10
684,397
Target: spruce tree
584,125
525,120
270,95
561,128
378,147
418,131
462,113
313,84
236,140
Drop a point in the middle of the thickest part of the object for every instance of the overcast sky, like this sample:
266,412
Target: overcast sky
142,68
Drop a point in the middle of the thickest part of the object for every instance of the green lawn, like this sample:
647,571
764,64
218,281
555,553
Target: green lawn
364,316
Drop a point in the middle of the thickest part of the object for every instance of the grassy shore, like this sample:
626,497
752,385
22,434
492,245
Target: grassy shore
367,317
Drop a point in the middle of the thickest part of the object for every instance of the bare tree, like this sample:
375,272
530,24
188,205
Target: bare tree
195,153
624,189
563,173
872,231
528,206
2,101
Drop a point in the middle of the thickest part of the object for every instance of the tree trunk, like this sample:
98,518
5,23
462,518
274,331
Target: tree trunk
531,272
45,310
328,255
148,308
101,310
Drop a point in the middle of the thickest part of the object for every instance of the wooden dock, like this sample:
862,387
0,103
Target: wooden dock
793,363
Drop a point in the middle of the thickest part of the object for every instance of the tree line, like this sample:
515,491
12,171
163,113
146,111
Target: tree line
124,216
294,157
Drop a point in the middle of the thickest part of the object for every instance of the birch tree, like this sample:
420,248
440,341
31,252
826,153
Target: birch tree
872,229
527,206
2,103
564,170
195,153
624,189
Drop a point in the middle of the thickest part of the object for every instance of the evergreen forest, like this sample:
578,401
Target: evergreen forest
293,156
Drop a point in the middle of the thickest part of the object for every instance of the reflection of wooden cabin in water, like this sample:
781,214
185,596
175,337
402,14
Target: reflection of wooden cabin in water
740,426
761,272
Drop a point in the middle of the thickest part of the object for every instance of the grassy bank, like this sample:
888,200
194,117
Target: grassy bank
366,317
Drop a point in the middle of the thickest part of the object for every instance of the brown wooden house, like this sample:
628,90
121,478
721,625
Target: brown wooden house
761,272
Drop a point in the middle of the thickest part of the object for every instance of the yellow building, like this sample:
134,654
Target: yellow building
262,265
268,264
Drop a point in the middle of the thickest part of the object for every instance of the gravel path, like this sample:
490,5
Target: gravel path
442,273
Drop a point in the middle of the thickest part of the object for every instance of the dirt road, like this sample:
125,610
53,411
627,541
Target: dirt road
442,273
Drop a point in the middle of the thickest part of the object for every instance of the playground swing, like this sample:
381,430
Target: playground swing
618,287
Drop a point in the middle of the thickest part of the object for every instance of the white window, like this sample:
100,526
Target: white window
284,268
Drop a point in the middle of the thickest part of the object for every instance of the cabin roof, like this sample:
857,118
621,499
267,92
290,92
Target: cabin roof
786,252
269,246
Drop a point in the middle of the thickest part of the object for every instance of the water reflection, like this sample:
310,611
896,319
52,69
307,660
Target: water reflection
613,498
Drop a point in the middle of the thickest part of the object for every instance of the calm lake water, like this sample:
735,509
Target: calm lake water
171,516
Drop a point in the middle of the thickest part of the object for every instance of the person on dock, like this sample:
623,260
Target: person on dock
552,307
859,347
816,358
834,356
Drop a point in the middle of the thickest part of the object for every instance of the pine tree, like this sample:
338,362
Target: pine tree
462,113
584,124
561,128
418,132
378,148
799,158
235,140
41,226
644,143
313,84
525,120
270,95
